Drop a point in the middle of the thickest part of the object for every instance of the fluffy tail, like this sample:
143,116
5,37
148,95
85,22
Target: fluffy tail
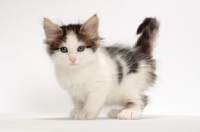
148,29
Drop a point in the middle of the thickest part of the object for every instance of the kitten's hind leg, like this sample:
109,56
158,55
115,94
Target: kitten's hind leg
132,112
113,113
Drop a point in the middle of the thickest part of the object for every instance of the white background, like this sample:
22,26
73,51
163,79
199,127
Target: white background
27,81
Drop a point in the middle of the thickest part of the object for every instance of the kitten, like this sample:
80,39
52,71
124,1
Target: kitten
95,75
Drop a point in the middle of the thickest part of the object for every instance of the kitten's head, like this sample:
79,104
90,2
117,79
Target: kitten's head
73,45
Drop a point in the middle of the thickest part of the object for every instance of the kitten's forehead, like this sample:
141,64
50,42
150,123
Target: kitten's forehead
71,38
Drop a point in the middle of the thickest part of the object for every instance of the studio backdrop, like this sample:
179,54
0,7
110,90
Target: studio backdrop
27,81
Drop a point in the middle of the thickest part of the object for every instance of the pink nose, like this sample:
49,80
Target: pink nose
72,60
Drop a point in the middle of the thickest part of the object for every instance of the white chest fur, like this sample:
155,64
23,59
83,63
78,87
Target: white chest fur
76,82
96,77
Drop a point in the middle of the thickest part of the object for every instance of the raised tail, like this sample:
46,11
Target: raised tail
148,30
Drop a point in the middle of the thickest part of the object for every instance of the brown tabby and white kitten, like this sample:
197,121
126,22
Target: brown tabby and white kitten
96,75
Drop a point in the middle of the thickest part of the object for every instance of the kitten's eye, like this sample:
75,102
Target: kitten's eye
81,48
63,49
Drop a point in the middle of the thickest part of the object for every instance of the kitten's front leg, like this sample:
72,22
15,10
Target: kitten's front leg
93,105
78,105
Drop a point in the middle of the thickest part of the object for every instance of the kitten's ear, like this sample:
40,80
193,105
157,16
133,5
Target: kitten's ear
90,27
51,30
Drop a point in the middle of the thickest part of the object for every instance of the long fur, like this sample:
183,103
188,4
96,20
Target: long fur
111,75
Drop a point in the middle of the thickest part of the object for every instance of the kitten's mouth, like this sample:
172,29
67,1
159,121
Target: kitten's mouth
72,64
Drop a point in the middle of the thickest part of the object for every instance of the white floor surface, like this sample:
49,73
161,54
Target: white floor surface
22,123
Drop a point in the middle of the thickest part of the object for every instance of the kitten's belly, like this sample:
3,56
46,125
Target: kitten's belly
129,89
115,97
110,101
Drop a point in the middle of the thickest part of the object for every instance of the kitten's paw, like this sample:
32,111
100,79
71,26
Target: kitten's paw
129,114
73,113
84,115
113,113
